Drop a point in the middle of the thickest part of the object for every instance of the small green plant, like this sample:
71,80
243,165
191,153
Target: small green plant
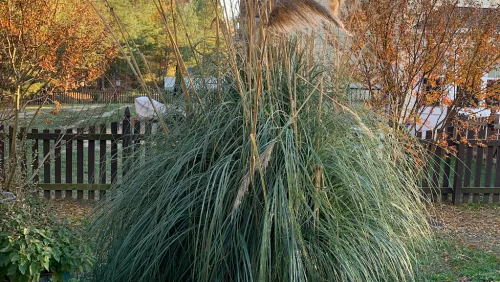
32,244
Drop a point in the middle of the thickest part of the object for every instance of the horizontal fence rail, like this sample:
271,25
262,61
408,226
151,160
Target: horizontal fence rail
79,163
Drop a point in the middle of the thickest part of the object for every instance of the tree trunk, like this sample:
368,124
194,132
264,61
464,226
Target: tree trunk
102,82
12,155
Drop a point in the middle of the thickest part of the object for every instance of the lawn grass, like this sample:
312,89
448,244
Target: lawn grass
478,206
449,261
73,116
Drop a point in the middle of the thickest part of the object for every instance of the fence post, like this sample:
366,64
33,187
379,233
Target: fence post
127,141
137,135
459,169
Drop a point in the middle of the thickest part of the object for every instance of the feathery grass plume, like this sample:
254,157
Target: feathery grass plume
265,157
290,15
172,218
334,6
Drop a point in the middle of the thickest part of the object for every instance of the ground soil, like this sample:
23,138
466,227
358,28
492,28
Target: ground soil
474,226
74,211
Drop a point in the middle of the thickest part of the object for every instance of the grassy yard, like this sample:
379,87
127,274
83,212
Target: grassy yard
467,244
452,261
73,115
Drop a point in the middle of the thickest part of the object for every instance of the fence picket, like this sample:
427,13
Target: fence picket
469,155
35,157
46,162
69,162
114,153
436,171
127,142
487,175
91,162
479,166
23,158
102,161
79,163
425,180
57,164
446,175
459,168
137,140
496,196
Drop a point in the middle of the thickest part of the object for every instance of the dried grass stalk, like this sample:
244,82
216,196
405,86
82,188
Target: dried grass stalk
265,157
335,6
291,15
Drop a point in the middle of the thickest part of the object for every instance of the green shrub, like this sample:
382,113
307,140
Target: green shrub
31,244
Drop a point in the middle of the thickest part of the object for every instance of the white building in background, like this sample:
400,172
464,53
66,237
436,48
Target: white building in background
433,116
209,83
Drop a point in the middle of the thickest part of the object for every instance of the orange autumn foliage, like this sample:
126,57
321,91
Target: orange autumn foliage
51,42
416,51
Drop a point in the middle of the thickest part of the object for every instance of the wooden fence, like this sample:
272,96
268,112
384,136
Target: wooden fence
91,97
85,160
83,163
469,172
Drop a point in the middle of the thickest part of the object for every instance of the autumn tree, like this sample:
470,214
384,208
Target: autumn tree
49,43
46,44
415,53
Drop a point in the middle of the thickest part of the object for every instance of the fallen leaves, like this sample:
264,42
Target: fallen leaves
73,211
474,226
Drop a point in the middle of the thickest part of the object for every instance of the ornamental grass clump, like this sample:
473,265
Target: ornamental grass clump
269,178
304,199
